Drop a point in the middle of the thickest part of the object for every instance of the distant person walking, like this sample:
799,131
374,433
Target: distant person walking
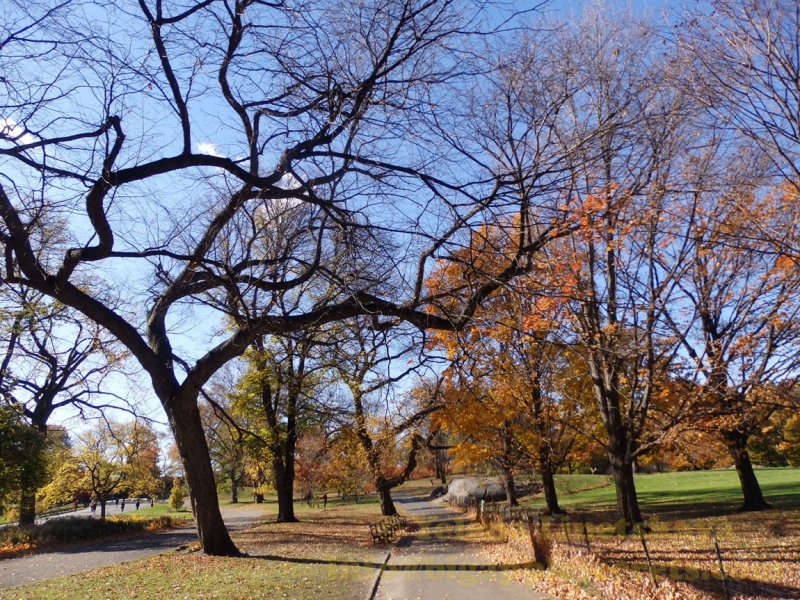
93,505
324,500
137,504
122,506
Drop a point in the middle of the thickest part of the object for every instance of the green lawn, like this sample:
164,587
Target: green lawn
707,491
327,555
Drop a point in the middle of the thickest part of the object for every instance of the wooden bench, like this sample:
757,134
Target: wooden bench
385,528
380,534
395,522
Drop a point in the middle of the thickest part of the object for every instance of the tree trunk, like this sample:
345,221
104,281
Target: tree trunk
284,486
511,490
31,474
234,487
550,496
751,490
627,502
385,498
102,507
440,472
27,506
184,418
259,482
546,468
282,457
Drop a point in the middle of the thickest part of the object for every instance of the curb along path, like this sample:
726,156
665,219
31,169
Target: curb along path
434,564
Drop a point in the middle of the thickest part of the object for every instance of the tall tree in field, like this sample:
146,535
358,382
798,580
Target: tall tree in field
54,359
22,456
738,321
633,102
155,134
500,395
366,362
346,468
276,396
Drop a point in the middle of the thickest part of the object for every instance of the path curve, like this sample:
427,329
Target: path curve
85,557
434,563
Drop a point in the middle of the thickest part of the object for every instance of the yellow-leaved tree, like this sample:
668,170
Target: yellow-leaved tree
111,458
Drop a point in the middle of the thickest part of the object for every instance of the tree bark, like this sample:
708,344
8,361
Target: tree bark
284,486
234,487
385,498
102,507
184,418
440,472
751,490
27,506
511,491
546,468
627,502
259,482
550,496
282,454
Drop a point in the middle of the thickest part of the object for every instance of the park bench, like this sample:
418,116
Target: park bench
395,522
385,528
380,533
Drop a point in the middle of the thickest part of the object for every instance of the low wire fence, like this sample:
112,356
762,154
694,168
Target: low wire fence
705,556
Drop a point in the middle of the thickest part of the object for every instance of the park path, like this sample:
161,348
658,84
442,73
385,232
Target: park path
76,559
434,563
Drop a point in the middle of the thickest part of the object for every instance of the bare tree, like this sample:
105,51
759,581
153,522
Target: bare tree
736,315
367,361
153,134
746,68
54,360
636,106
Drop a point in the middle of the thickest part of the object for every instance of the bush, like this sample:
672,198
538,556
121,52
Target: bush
76,529
11,515
176,496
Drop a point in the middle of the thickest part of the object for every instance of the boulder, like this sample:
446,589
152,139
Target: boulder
438,492
484,488
480,488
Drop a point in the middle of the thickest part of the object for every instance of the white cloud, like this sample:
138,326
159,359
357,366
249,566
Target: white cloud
289,182
10,130
207,148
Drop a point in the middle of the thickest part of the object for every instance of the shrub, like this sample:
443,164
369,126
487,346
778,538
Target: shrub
176,496
75,529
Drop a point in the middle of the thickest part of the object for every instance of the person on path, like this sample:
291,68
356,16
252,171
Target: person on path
137,504
122,506
324,500
93,505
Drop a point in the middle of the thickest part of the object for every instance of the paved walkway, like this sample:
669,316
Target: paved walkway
76,559
435,564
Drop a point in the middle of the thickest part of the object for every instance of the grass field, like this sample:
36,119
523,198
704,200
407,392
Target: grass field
701,492
329,555
691,515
